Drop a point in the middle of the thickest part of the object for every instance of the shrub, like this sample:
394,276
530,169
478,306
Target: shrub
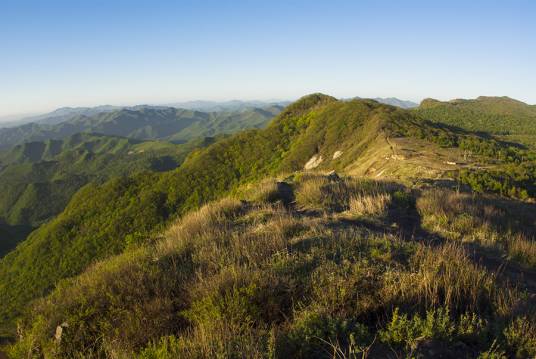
407,332
315,334
168,347
520,337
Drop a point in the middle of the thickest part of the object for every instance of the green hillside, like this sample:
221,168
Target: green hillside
38,179
58,168
104,220
143,123
504,116
306,268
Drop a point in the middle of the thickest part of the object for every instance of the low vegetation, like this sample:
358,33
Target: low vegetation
505,225
258,276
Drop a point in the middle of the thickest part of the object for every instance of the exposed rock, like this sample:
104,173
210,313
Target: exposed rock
337,154
313,162
59,331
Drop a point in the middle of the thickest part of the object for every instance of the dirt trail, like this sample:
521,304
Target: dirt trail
390,145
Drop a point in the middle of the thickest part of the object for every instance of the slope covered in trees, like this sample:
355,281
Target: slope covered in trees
58,168
498,115
38,179
144,123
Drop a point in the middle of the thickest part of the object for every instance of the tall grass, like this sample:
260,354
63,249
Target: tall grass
322,193
522,249
370,205
444,276
263,279
503,225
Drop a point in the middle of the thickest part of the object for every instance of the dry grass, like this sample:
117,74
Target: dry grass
370,205
321,193
522,249
443,276
452,214
463,217
266,191
236,279
317,193
211,220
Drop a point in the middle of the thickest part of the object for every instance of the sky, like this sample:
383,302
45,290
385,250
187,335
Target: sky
90,52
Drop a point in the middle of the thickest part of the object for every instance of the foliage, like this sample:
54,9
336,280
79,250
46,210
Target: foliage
39,178
498,115
267,274
258,279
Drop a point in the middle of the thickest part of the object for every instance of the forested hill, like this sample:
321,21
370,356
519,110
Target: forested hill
103,220
37,179
144,123
497,115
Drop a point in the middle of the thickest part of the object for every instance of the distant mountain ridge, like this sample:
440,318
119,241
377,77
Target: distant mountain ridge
139,122
66,113
232,105
393,101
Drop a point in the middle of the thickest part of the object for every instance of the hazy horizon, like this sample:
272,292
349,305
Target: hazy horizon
139,52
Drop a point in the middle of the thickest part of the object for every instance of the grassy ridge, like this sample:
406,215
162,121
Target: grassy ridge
103,219
255,278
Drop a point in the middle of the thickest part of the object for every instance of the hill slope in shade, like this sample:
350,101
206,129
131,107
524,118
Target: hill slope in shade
103,220
38,179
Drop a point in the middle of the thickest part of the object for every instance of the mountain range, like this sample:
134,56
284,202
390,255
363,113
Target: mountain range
67,113
393,101
145,123
346,226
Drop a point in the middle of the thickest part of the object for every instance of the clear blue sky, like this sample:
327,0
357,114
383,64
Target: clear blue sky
80,53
